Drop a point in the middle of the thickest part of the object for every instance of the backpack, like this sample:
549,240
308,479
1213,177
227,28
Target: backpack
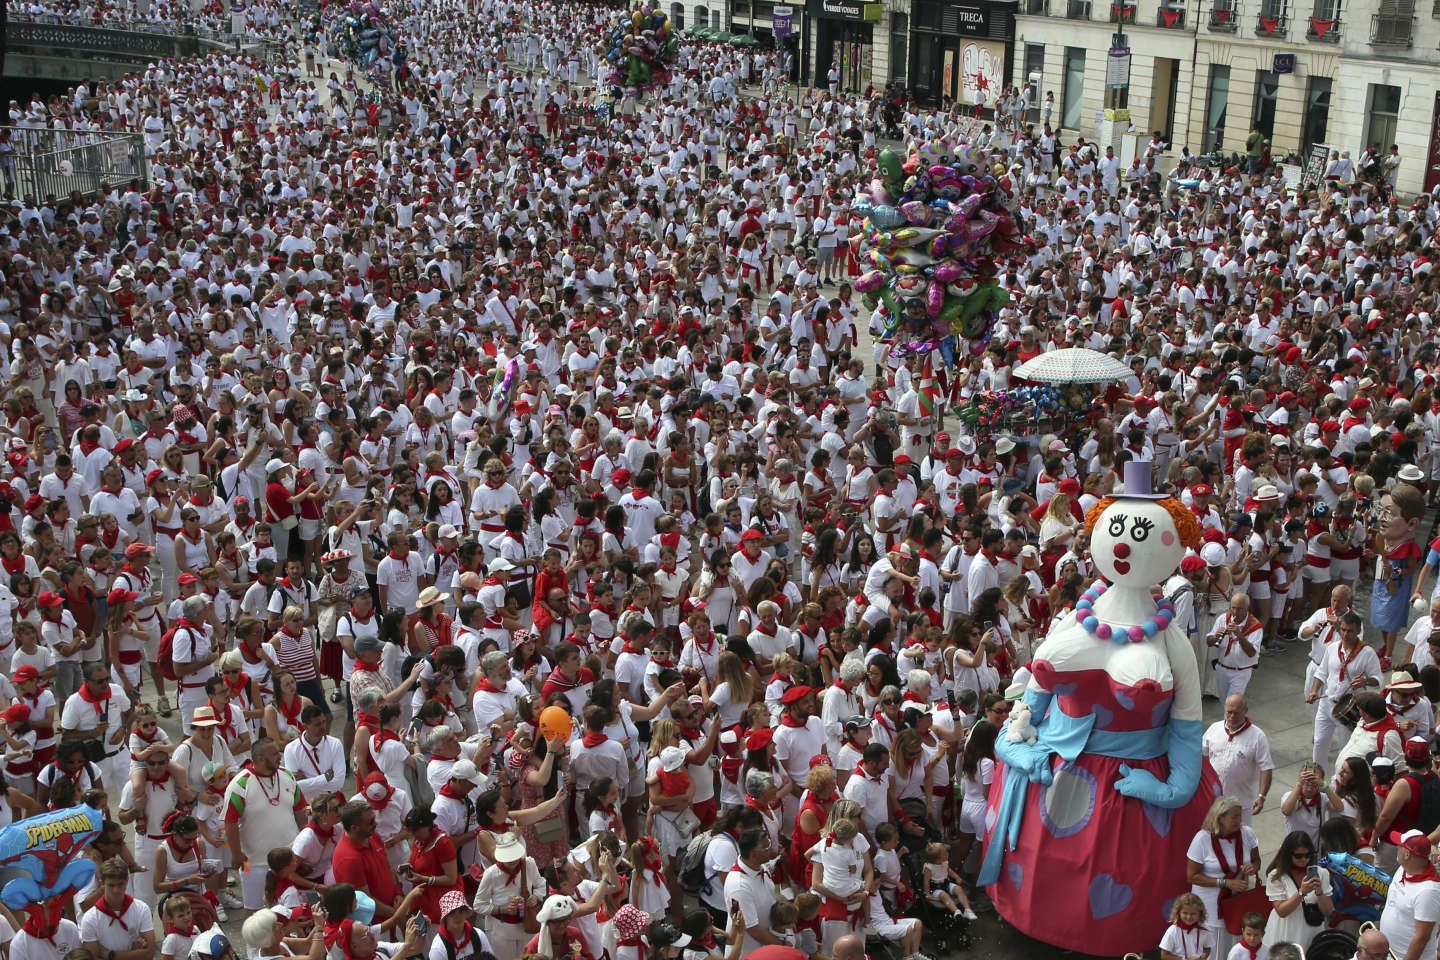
165,655
691,872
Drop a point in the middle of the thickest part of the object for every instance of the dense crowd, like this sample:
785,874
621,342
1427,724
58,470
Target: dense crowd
386,421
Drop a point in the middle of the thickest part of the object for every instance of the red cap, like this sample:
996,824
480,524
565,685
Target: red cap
25,672
759,739
1211,535
1414,841
120,595
17,712
796,693
1417,750
138,550
942,437
1192,563
620,476
187,577
1070,486
954,452
902,459
123,445
33,501
152,476
1360,404
1201,490
751,534
50,599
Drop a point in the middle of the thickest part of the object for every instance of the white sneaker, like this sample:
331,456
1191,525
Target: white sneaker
230,900
969,914
220,913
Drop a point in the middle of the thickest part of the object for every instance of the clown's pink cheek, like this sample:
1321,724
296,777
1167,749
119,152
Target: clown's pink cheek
1167,538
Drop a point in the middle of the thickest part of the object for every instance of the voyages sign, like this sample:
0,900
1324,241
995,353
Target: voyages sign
854,11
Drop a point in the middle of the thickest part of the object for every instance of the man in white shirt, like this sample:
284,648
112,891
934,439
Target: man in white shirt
119,926
315,758
1348,666
1412,907
748,886
799,737
1240,753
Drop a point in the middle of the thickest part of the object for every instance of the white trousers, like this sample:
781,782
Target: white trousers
1228,681
1325,727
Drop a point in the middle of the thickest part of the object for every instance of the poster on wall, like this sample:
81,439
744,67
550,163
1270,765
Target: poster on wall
982,71
947,76
1432,158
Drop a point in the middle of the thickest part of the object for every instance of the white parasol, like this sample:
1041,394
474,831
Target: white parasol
1072,365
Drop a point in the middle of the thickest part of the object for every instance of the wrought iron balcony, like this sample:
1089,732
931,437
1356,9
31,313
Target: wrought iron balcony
1122,12
1224,19
1325,31
1391,30
1271,25
1173,18
1077,9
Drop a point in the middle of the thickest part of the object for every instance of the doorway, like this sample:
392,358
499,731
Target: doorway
1164,86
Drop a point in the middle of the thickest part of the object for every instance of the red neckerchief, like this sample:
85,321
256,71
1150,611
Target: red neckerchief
364,667
863,774
463,941
363,719
486,686
15,565
1346,660
788,721
292,713
116,918
227,726
241,687
1243,727
100,704
381,737
449,790
627,647
1251,625
1185,930
593,739
1225,869
1380,728
1427,874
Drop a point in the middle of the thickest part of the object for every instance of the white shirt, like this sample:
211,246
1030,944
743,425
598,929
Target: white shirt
1202,851
754,891
96,927
873,797
1238,760
1405,905
318,768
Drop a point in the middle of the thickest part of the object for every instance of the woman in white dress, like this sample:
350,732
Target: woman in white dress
1299,892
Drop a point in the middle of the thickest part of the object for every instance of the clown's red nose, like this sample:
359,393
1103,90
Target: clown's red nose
1122,550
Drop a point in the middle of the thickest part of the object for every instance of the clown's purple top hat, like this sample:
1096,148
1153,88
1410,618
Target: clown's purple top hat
1139,482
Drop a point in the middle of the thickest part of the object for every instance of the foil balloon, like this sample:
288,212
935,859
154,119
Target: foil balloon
640,51
935,224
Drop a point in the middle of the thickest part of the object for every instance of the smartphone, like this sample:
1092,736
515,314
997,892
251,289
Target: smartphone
988,625
1312,871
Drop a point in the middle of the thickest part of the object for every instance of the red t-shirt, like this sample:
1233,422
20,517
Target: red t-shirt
366,868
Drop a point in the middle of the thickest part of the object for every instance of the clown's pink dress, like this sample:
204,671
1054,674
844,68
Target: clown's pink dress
1092,870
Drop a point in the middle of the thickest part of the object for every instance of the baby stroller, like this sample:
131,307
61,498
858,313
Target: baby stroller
946,931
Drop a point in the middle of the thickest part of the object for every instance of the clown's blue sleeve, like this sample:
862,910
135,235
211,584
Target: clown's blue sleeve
1185,759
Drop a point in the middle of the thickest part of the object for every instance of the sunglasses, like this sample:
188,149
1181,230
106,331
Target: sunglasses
889,703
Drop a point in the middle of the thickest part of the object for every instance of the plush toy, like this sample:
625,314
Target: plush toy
1020,729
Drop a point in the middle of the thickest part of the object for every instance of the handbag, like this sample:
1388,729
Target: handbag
549,830
290,522
1314,916
1234,906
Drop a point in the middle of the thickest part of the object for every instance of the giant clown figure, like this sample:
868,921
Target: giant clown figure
1085,826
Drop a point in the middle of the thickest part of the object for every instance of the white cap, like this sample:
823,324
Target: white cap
466,770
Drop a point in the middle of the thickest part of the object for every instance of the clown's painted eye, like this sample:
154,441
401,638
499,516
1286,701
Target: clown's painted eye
1141,529
1117,525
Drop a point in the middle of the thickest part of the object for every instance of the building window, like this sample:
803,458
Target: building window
899,45
1217,98
1035,67
677,16
1317,111
1074,90
1383,115
1267,91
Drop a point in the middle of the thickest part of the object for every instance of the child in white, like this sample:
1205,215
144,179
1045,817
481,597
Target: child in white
942,883
841,878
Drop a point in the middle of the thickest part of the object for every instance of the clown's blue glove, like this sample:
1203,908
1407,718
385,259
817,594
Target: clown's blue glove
1185,763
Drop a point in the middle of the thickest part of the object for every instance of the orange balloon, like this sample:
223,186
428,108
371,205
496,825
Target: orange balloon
554,722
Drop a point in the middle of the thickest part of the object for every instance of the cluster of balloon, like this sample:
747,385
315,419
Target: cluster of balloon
641,48
362,33
935,224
